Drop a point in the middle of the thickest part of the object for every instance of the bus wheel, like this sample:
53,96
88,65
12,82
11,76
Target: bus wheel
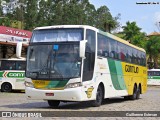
53,103
6,87
134,96
99,97
138,93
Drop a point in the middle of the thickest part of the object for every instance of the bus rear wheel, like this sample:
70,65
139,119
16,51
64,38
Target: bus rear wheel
134,96
6,87
99,97
53,103
138,93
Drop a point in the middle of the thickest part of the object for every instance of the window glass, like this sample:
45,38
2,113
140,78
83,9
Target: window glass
139,57
144,59
122,52
54,35
8,65
134,54
20,65
103,46
118,51
128,53
112,48
89,61
150,73
156,73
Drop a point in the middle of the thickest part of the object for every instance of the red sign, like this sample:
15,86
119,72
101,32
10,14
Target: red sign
15,32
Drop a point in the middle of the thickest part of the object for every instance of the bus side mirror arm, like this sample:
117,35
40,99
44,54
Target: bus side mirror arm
82,49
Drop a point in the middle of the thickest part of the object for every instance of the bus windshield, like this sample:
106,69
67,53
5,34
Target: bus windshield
54,61
57,35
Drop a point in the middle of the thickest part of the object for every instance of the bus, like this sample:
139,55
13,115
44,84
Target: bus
82,63
153,77
12,73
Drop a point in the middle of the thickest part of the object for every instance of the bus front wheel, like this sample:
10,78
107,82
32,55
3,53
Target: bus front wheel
6,87
53,103
99,97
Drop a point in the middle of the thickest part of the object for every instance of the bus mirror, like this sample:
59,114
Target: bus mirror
82,48
18,49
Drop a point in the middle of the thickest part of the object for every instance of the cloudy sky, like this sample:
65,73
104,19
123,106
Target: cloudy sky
145,15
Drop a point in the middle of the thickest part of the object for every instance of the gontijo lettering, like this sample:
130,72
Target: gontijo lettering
133,69
16,75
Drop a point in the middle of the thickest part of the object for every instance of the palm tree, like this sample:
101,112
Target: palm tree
130,30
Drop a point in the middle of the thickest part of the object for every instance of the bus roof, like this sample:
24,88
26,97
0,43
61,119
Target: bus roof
92,28
66,26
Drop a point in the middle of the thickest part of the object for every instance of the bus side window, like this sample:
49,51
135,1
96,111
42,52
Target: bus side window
149,73
139,57
102,46
122,54
134,55
111,48
10,65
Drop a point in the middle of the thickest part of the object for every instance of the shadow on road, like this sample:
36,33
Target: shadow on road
63,105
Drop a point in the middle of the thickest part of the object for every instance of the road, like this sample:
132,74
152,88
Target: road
16,101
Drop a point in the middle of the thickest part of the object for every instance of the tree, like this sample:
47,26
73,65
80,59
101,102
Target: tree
30,15
36,13
153,50
130,31
1,8
104,19
139,40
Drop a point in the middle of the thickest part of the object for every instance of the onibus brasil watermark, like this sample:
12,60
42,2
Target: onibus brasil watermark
37,114
21,114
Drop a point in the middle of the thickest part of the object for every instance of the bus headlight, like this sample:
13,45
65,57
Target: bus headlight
73,85
28,84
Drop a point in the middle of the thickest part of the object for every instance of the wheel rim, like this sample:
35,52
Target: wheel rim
6,87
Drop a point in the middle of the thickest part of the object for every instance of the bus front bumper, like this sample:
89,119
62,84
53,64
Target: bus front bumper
70,94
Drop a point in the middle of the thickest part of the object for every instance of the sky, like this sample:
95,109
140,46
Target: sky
145,15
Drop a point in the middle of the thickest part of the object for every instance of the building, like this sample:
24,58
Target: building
9,37
154,34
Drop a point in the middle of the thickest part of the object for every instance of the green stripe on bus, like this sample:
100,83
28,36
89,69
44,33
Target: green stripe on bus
113,72
120,75
154,77
1,74
12,74
57,84
116,74
15,75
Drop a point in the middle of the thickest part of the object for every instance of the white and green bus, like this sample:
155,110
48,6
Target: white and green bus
153,77
82,63
12,73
